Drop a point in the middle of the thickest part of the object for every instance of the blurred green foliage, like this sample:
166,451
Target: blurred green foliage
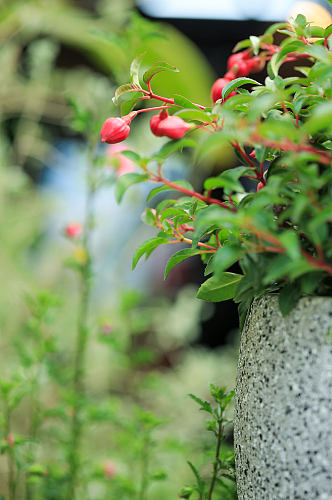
140,425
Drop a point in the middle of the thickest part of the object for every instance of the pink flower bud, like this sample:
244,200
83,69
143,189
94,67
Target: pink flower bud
168,126
109,469
10,440
125,166
73,230
253,154
106,329
116,129
217,88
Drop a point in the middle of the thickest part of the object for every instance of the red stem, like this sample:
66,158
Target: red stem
152,109
238,148
288,145
212,201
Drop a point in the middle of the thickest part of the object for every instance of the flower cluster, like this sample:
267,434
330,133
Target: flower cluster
281,134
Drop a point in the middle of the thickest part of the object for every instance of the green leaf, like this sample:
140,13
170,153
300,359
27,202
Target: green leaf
125,181
131,155
158,68
169,212
255,42
243,44
234,84
128,106
184,102
219,289
328,30
317,32
179,257
146,248
194,114
204,405
200,482
225,257
293,46
134,69
173,146
228,179
123,89
291,243
320,118
288,298
276,26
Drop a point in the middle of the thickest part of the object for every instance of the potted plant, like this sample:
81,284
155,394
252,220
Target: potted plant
279,233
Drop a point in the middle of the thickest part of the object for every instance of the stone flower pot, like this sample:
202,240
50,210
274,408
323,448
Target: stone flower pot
283,406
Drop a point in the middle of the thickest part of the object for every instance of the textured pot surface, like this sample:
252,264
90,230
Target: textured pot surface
283,407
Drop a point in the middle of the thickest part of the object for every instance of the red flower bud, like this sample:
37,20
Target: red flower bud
238,58
256,64
155,122
116,129
260,185
73,230
173,127
217,88
230,75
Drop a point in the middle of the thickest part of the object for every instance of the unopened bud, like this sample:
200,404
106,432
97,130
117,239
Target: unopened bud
116,129
109,469
73,230
217,88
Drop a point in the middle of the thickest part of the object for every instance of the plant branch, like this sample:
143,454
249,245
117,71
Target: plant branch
216,460
206,199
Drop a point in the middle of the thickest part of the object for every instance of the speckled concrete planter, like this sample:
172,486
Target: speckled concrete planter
283,408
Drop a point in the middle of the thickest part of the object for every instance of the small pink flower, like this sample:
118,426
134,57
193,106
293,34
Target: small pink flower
73,230
106,329
109,469
125,166
10,440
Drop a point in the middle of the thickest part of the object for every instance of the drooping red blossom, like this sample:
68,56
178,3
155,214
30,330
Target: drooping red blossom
217,88
155,122
260,185
238,58
242,64
163,125
116,129
73,230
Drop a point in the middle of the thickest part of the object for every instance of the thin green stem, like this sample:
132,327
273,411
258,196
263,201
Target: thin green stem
145,469
216,460
12,476
80,352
